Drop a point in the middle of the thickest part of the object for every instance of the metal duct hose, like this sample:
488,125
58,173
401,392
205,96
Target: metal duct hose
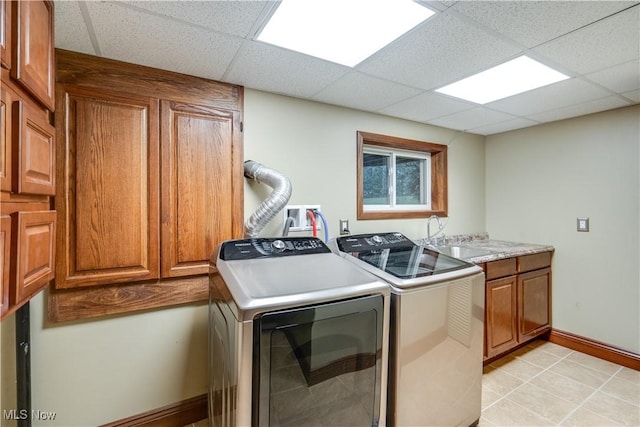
273,204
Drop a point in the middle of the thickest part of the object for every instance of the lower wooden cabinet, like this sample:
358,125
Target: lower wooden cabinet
501,315
534,303
518,301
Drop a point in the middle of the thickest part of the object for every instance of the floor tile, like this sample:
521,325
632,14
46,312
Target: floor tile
563,387
519,368
489,397
585,418
500,382
622,389
580,373
552,348
613,408
593,363
537,356
629,375
542,402
508,413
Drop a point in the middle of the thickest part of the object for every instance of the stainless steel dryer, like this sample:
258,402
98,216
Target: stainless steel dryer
436,331
298,336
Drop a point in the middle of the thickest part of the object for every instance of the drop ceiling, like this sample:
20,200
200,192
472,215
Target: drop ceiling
596,43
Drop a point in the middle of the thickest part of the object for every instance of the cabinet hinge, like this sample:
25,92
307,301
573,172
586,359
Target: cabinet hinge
241,126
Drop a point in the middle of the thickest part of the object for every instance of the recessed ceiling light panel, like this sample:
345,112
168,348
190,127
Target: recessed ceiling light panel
513,77
341,31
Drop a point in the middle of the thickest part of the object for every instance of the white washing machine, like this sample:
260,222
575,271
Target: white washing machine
436,330
298,336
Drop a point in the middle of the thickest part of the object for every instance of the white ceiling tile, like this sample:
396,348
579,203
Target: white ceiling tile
132,36
505,126
581,109
230,17
426,106
611,41
357,90
551,97
270,68
471,119
621,78
531,23
439,51
213,39
70,29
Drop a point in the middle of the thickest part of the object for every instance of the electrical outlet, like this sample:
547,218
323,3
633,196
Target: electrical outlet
344,227
583,224
301,221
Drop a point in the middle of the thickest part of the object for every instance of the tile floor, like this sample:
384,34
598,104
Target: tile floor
544,384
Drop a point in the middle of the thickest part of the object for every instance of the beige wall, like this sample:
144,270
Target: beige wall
315,146
99,371
540,179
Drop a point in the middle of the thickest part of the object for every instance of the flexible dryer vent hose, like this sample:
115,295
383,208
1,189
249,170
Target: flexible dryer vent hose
274,203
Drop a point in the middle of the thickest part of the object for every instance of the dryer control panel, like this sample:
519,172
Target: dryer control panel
271,247
366,242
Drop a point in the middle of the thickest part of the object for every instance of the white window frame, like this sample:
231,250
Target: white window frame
425,179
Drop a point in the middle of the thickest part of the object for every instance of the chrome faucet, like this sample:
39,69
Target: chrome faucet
440,227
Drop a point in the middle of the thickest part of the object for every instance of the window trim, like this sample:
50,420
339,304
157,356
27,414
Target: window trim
439,187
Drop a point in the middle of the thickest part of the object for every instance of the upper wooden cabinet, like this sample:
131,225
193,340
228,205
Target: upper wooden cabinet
197,189
33,49
109,188
5,33
149,182
5,247
27,151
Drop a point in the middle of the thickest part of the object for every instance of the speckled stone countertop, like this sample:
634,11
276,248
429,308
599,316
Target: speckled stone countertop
484,249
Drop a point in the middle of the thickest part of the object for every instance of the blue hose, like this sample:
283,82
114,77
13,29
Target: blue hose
324,224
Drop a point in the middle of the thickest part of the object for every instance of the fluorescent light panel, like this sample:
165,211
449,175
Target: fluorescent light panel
341,31
513,77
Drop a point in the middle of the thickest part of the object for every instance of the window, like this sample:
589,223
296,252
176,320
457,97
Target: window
395,180
400,178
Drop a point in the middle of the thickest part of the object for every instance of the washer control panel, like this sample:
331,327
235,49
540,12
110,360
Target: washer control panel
271,247
367,242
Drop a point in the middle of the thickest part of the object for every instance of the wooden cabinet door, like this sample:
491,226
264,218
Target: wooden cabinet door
108,190
5,139
5,261
534,308
197,185
34,141
33,55
500,320
5,33
35,254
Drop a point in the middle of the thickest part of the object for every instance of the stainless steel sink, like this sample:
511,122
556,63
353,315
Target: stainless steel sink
463,252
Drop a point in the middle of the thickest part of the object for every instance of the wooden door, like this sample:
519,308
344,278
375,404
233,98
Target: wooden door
500,315
197,185
534,308
5,261
5,33
35,253
108,194
33,56
5,138
34,141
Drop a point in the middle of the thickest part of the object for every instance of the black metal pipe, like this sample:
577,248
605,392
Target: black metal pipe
23,365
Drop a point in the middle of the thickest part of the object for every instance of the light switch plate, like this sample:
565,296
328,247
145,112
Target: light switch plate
583,224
